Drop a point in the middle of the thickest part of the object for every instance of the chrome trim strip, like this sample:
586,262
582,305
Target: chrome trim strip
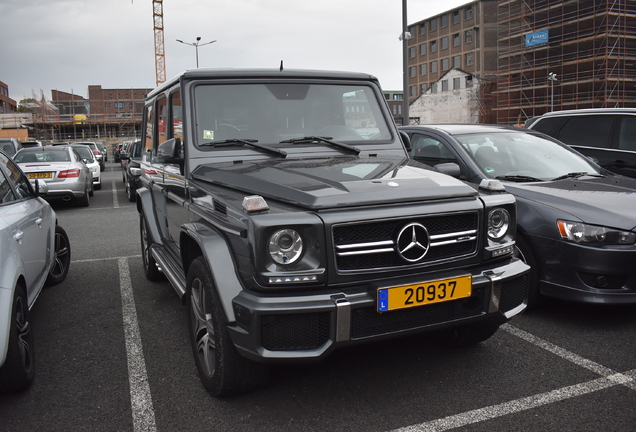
363,245
457,240
343,318
454,234
366,252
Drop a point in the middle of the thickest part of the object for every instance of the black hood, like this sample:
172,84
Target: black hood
608,201
335,182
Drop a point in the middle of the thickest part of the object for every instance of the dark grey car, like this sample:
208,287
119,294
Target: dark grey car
576,221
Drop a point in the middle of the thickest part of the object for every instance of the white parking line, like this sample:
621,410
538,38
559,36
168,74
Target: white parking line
609,379
141,400
115,201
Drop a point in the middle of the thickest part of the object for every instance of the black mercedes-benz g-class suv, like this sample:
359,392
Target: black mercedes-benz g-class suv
283,208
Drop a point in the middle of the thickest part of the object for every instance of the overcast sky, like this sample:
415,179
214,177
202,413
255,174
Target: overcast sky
70,44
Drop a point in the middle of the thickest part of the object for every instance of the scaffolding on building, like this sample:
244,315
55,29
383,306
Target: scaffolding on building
590,47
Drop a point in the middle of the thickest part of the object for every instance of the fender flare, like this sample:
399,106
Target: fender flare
145,208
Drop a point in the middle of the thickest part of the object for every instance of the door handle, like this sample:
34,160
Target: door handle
18,236
39,222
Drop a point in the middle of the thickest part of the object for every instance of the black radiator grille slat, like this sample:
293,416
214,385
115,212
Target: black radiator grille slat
344,236
288,332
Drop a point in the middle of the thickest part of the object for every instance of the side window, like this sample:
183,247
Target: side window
6,193
19,181
627,135
150,130
549,126
430,151
162,112
176,114
591,131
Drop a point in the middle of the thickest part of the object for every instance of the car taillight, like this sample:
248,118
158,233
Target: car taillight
95,152
69,173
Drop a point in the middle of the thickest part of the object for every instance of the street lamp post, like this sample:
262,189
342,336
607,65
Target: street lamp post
196,46
552,77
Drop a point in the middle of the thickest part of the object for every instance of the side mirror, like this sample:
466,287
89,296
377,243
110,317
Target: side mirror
406,141
41,187
170,151
451,169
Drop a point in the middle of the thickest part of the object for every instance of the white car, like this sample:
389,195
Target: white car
92,163
34,251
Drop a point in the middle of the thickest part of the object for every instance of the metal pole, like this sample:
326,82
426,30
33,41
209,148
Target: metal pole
405,71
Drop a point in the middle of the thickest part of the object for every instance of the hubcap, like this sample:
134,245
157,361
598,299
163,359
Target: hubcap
61,256
24,334
202,328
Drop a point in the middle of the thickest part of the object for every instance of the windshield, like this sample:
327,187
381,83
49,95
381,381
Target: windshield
42,156
8,147
510,153
271,113
84,152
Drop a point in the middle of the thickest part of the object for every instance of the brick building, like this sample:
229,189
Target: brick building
7,105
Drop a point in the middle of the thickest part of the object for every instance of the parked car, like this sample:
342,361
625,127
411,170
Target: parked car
96,152
102,148
117,151
89,159
26,144
132,169
34,251
10,146
284,210
123,152
576,221
608,135
61,167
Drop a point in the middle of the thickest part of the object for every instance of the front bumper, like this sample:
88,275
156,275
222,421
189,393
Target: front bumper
309,327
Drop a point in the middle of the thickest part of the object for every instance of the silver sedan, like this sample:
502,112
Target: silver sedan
63,170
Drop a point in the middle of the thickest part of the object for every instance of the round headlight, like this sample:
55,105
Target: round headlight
285,246
498,223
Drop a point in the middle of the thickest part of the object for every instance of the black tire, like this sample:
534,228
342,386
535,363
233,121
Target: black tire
19,367
222,370
84,200
524,252
151,270
62,258
98,186
92,191
130,192
466,335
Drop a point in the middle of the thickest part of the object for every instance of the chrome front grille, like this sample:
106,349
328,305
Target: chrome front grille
388,243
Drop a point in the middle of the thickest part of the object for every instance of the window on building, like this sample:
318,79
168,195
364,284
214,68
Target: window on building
397,96
457,61
444,21
469,12
444,85
387,96
432,24
130,105
445,65
469,36
120,105
469,59
456,16
394,109
412,90
469,81
444,42
433,87
456,83
434,66
413,71
111,95
412,52
457,40
422,28
423,68
422,49
422,88
433,46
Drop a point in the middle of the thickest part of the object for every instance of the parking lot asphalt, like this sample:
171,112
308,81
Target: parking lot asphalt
112,353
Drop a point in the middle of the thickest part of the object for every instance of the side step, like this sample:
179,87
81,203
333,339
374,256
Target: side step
170,268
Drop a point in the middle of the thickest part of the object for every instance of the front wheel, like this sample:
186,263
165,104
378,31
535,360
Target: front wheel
151,270
222,370
19,367
130,192
61,259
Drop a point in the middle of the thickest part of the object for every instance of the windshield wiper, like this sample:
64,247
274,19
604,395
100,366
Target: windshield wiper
518,178
249,142
326,140
577,175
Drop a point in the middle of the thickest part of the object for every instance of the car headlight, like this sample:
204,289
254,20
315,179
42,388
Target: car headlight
93,169
285,246
594,235
498,223
135,171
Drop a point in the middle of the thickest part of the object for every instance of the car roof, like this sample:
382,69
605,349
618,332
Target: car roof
44,148
460,129
228,73
590,111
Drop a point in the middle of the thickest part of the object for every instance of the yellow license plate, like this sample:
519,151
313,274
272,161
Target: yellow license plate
40,175
424,293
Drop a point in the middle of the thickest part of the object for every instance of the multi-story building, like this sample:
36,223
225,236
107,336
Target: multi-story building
7,105
462,38
557,54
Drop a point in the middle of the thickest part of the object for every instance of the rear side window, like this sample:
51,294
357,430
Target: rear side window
627,134
550,126
590,131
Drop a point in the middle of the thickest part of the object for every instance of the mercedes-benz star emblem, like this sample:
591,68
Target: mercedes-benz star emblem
413,242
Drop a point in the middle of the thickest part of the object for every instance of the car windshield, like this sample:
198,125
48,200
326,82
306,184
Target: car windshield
84,152
42,156
523,156
271,113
